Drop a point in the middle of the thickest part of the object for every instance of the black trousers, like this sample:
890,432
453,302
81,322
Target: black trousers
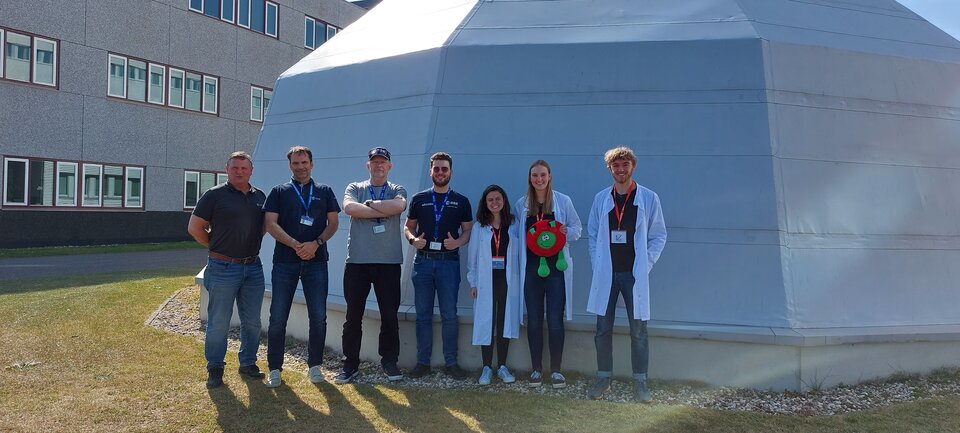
357,280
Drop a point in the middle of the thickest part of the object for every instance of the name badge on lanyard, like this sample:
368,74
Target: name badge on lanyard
306,219
435,246
379,228
618,236
499,262
437,214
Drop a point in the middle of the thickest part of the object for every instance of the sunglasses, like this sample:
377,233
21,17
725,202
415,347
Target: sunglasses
438,169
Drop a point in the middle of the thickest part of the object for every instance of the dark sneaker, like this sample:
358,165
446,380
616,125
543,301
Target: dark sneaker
393,373
536,379
557,380
640,391
214,377
250,371
419,371
599,388
456,372
346,375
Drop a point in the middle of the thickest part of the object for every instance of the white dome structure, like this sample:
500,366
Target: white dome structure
806,153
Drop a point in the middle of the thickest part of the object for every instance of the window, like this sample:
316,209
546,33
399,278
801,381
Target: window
15,171
226,10
271,24
17,57
28,58
41,183
243,13
331,31
209,95
256,104
157,82
260,16
267,96
176,88
91,185
66,184
195,183
134,190
136,80
117,85
142,81
192,98
44,183
309,24
45,60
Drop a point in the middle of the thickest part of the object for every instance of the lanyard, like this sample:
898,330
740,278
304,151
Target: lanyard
438,213
383,191
496,241
306,204
618,211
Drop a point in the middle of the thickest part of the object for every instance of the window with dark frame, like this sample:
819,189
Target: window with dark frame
144,81
316,32
259,102
197,182
38,183
260,16
29,58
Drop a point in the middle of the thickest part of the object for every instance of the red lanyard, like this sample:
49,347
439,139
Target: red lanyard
496,241
618,211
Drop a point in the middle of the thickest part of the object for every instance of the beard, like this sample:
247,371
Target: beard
440,183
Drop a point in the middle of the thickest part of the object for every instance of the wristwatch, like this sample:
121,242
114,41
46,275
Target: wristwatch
410,240
319,241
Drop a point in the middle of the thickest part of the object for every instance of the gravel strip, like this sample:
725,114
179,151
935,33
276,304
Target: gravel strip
180,315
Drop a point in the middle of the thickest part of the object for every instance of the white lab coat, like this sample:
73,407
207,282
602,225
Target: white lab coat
648,241
566,214
480,275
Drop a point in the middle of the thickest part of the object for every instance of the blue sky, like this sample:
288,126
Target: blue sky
942,13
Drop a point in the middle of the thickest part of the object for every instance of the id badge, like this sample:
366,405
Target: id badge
499,263
435,246
618,236
306,220
379,228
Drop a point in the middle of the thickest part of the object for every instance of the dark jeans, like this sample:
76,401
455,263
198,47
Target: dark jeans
639,349
436,279
535,289
357,279
227,283
284,279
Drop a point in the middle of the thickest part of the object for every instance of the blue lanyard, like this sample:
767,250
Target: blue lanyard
383,192
306,204
438,213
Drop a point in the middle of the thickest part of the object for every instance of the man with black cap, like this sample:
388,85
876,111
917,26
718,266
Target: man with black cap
374,255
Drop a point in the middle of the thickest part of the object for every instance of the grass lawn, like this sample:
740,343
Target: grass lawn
15,253
77,357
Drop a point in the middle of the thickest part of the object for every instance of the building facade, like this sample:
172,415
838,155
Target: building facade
116,115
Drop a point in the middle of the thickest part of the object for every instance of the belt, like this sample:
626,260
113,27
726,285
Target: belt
242,261
439,255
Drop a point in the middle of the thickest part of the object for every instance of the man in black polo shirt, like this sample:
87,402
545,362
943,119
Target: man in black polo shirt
232,212
438,223
302,216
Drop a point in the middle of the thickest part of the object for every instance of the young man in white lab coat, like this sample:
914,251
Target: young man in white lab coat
626,235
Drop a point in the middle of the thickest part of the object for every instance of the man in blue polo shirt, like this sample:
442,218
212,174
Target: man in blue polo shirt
438,223
302,216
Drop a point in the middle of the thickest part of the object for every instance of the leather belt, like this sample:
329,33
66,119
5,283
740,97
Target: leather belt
228,259
439,255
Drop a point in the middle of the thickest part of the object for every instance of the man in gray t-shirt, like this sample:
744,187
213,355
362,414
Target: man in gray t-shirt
374,255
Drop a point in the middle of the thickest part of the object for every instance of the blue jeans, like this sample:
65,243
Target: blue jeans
639,349
535,289
284,286
438,278
227,283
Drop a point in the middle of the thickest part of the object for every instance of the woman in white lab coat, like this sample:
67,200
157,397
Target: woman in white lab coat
543,203
494,277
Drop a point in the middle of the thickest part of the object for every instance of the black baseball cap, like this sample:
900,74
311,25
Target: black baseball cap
378,151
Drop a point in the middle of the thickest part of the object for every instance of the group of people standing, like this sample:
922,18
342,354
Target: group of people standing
517,259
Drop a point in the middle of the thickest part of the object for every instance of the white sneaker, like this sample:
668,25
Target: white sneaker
504,374
485,376
315,375
273,379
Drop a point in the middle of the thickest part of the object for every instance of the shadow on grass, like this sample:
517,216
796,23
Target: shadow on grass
42,284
